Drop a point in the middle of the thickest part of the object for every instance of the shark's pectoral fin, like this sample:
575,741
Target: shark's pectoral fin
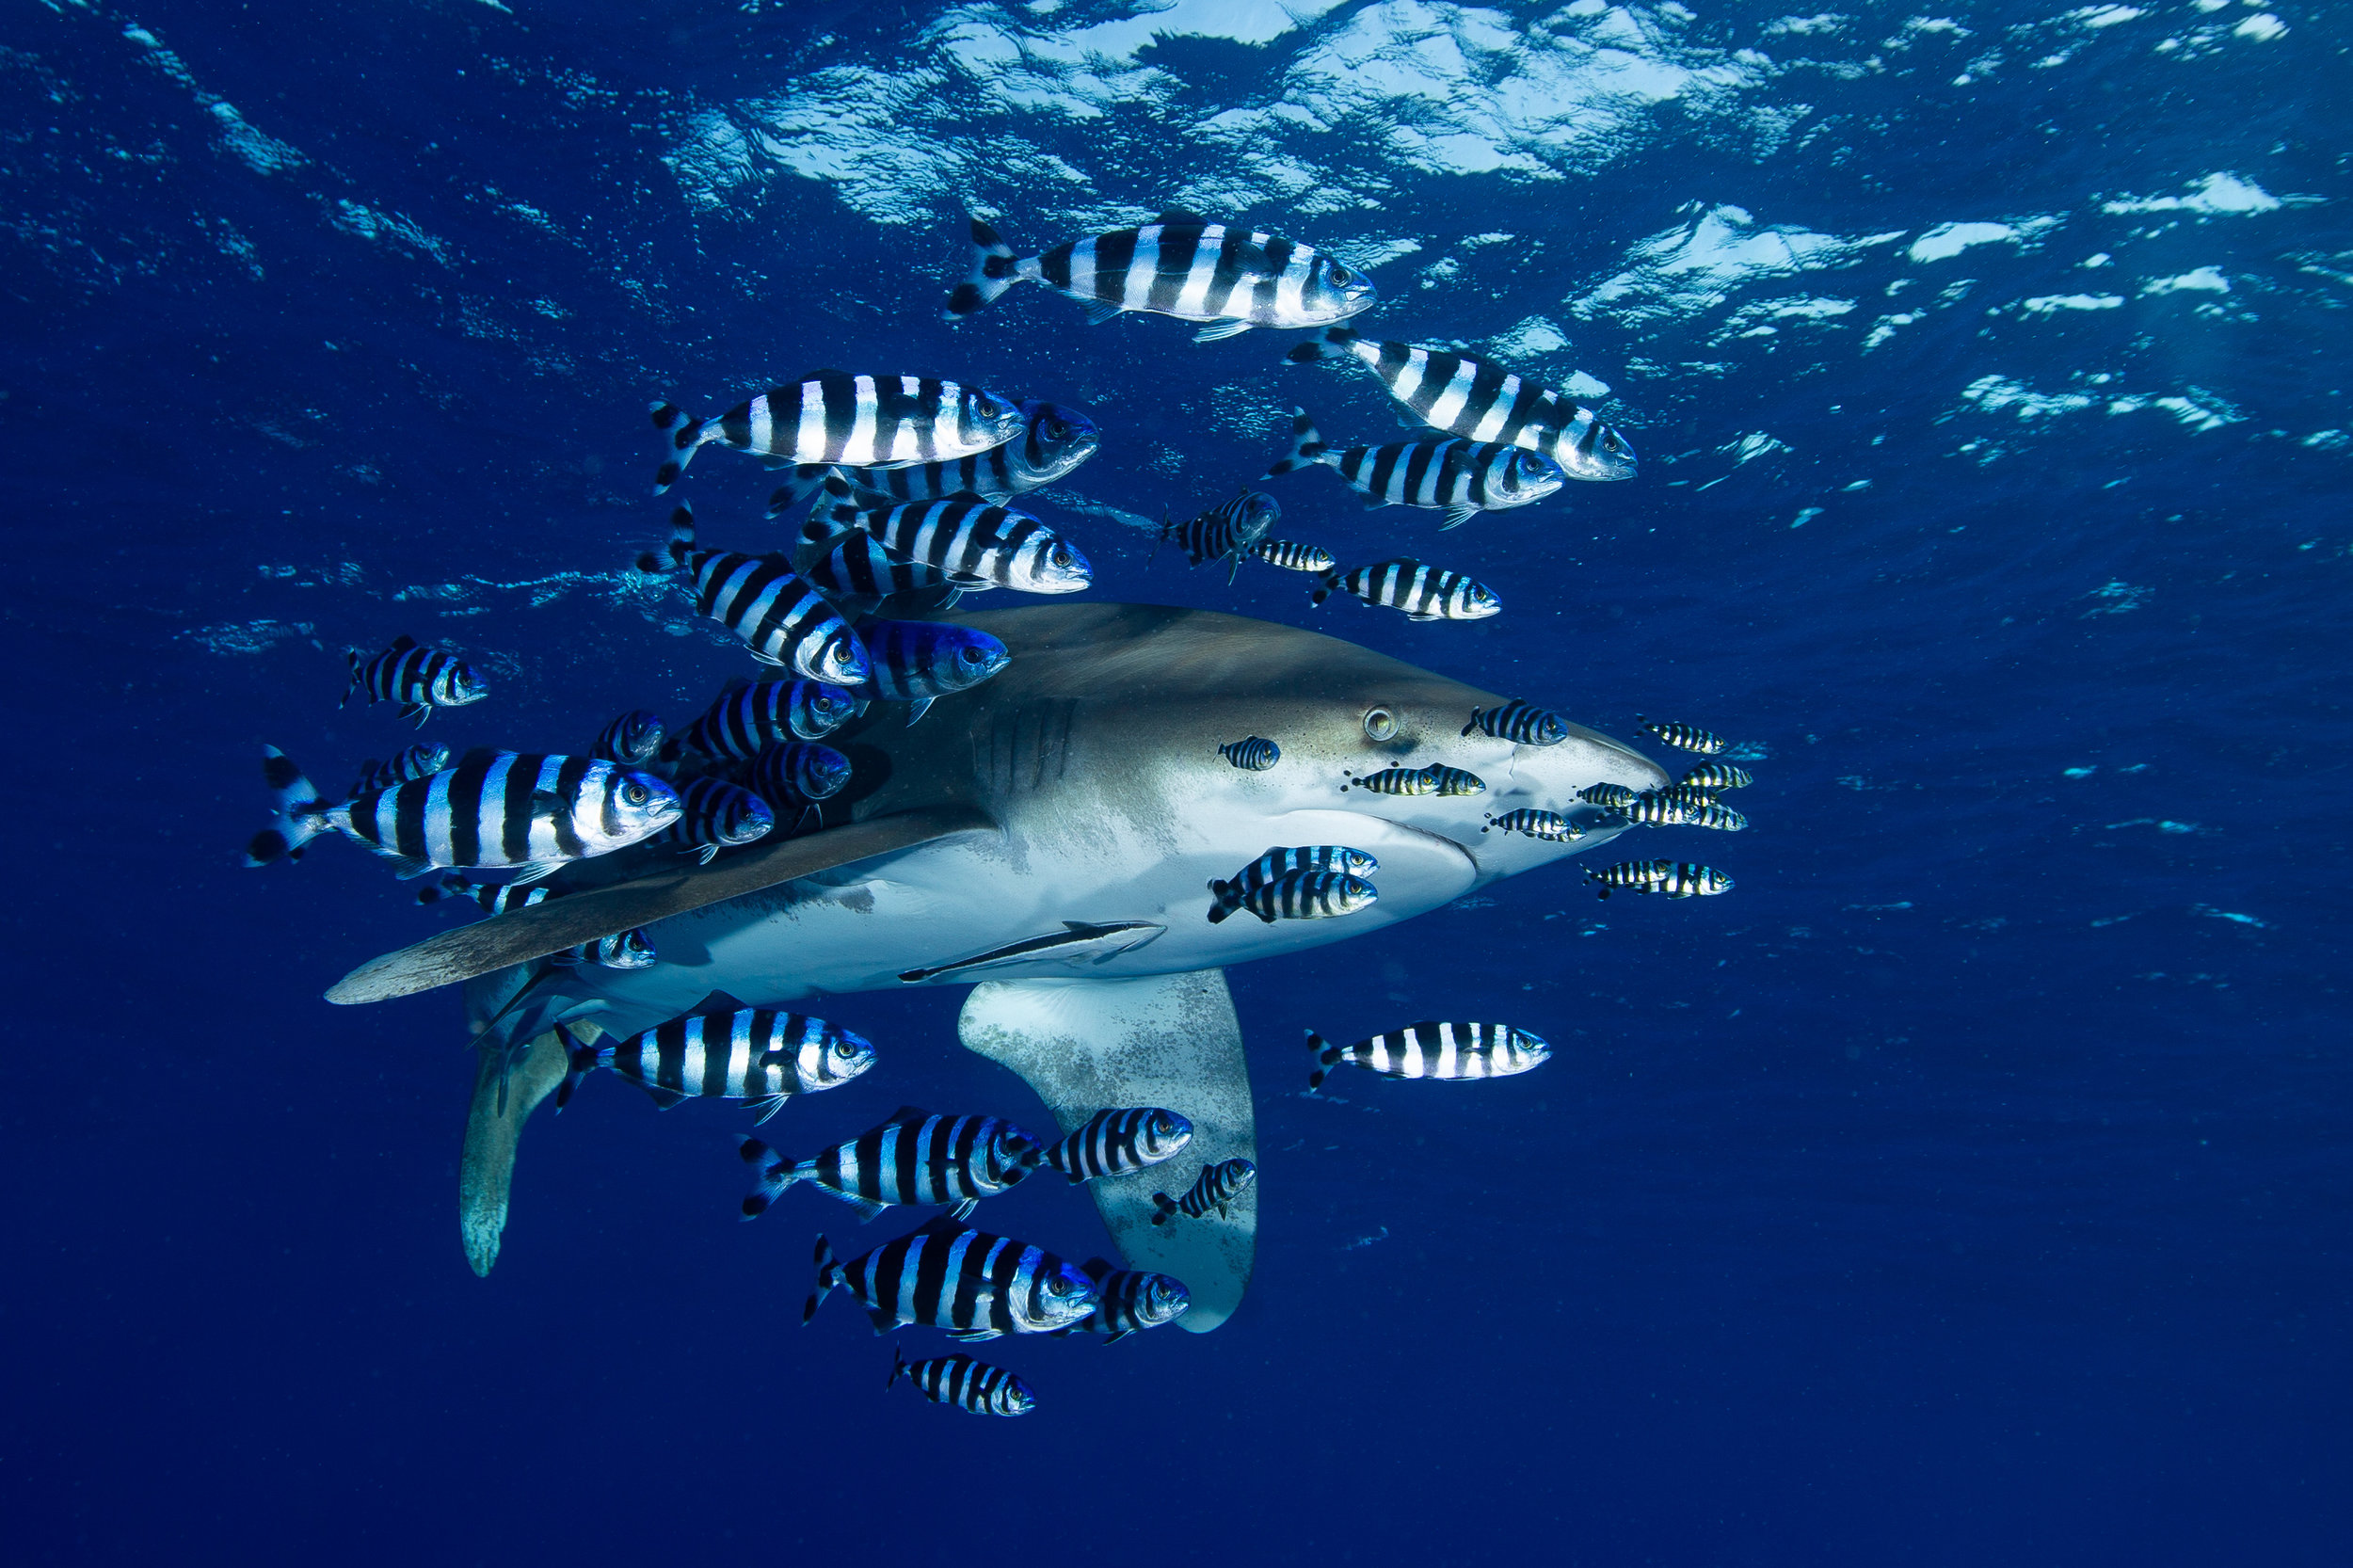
495,1121
1168,1040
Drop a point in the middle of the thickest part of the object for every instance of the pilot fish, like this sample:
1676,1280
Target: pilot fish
1677,879
1611,795
1719,775
1133,1300
974,544
857,567
1181,265
495,898
792,776
495,810
914,1158
1302,896
623,950
1522,723
917,661
1291,557
1053,441
1217,1186
716,815
1684,737
1280,862
1458,478
417,762
832,416
1112,1142
749,715
779,616
971,1284
1441,1050
1550,825
753,1054
635,738
419,679
972,1386
1226,531
1470,397
1423,592
1254,754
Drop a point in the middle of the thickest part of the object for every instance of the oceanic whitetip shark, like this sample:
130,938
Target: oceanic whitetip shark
1049,835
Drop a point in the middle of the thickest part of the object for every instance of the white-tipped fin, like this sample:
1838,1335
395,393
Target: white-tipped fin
1218,330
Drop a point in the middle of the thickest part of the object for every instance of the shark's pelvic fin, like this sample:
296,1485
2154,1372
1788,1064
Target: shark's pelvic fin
523,935
1168,1040
488,1165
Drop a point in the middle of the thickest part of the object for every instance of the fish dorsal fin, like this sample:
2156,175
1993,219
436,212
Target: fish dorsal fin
720,1004
822,371
735,683
907,1113
1179,214
940,1225
478,757
400,644
1096,1269
521,936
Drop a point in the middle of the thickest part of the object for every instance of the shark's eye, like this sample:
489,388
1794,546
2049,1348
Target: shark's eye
1380,724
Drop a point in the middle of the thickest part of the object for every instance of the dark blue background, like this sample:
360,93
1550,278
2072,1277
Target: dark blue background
2005,1223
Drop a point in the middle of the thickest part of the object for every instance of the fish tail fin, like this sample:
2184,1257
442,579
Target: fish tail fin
579,1061
1228,896
436,890
297,812
773,1172
1164,1208
898,1364
1330,344
682,435
1327,584
1326,1055
829,1278
994,269
807,479
358,662
681,544
836,513
1308,447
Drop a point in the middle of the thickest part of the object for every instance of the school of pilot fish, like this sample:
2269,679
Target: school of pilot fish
903,494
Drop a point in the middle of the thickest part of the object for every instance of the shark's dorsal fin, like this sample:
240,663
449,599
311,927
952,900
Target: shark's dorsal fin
467,951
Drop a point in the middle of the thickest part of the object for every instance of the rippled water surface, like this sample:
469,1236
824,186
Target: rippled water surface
1968,1186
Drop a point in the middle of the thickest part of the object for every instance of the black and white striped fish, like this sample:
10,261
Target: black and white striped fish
1226,531
857,567
1179,265
1458,478
779,616
1452,1051
1216,1188
419,679
635,738
971,1284
1304,896
718,815
495,898
1677,879
1470,397
972,1386
1688,795
751,713
1550,825
623,950
1454,781
1112,1142
1723,819
972,543
495,810
1133,1299
753,1054
1292,556
1654,809
1522,723
1396,781
1684,737
1279,862
793,775
914,1158
917,661
1251,754
1719,775
1053,441
1611,795
1423,592
831,417
420,760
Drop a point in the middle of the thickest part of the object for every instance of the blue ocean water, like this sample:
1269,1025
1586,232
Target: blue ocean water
1968,1185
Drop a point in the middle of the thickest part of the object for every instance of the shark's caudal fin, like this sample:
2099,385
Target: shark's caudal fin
1170,1040
1308,447
994,269
487,1168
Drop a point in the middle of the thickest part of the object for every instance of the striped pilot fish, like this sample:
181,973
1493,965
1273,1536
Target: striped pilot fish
635,738
857,567
1670,809
1470,397
1550,825
420,760
1611,795
1455,1052
1436,780
1454,781
1112,1142
1717,776
1291,557
1683,737
1458,478
1224,533
780,617
749,715
1304,896
832,416
1677,879
792,776
1216,1188
623,950
1423,592
495,898
914,1158
972,1386
716,815
753,1054
419,679
1687,796
972,543
1522,723
1723,819
1179,265
973,1285
1251,754
1279,862
918,662
1054,441
1133,1300
494,810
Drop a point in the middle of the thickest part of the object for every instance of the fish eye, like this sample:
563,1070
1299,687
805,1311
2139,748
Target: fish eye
1339,273
634,794
1060,556
1380,724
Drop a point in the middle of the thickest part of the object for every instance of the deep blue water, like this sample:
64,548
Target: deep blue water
1969,1185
